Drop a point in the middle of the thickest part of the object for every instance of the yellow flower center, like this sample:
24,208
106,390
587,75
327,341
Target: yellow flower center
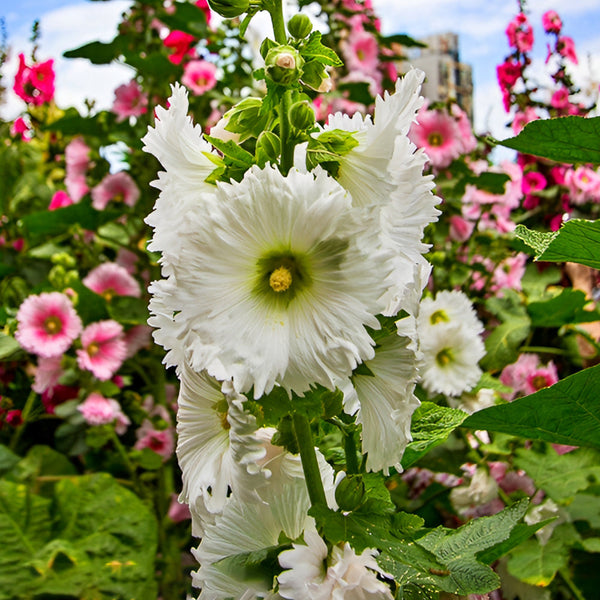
444,357
435,139
439,316
108,294
280,279
539,382
52,325
93,349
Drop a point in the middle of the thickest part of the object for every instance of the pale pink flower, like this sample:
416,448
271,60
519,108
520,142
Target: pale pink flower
127,259
583,184
136,338
77,162
460,229
130,101
515,375
437,133
161,441
111,279
98,410
47,374
509,272
104,349
361,51
551,22
522,118
48,324
199,76
467,139
116,187
566,47
60,200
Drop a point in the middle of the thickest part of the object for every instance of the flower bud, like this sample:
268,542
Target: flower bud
301,115
229,8
299,26
350,492
268,147
284,65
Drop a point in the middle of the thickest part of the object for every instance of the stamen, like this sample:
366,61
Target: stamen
52,325
280,279
444,357
93,349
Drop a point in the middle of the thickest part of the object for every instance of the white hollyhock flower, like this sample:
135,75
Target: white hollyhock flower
451,353
311,575
481,490
179,146
273,284
448,307
382,395
248,527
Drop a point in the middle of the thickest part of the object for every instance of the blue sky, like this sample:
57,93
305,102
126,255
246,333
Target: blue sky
69,23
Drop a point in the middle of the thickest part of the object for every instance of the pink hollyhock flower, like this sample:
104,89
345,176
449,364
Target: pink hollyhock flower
532,181
551,22
77,162
111,279
437,133
136,338
522,118
465,131
48,324
583,184
460,229
130,101
48,372
508,73
566,47
118,187
509,272
560,99
60,200
199,76
104,349
35,84
160,441
21,128
98,410
127,259
178,511
515,375
361,51
180,42
520,33
203,6
541,378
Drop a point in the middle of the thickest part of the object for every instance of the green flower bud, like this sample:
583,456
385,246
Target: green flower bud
63,258
229,8
301,115
350,492
299,26
284,65
268,147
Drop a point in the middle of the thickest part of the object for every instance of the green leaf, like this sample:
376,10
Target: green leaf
9,347
431,426
402,39
561,477
155,64
564,139
567,412
186,17
128,310
566,308
237,155
99,53
315,50
585,508
577,241
8,459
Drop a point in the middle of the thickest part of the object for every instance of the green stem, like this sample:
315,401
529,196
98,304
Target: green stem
350,451
275,8
310,466
287,148
24,415
571,584
123,454
543,350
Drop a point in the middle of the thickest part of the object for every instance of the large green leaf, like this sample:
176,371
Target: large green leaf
565,139
577,241
566,308
566,413
99,53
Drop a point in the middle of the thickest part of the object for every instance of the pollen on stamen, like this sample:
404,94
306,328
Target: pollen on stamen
280,279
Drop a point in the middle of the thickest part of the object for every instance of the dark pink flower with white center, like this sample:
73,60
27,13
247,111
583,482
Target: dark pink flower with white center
103,349
35,83
21,129
130,101
551,22
437,133
115,187
180,42
47,374
532,182
520,33
77,162
160,441
111,279
60,200
541,378
48,324
583,184
566,47
98,410
200,76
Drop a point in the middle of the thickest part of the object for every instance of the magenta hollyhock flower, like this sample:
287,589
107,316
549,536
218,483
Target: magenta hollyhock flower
532,181
60,200
541,378
566,47
111,279
180,43
48,324
130,101
199,76
35,84
14,418
160,441
460,229
522,118
103,349
203,6
118,187
551,22
508,73
77,162
560,98
21,129
98,410
520,33
437,133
